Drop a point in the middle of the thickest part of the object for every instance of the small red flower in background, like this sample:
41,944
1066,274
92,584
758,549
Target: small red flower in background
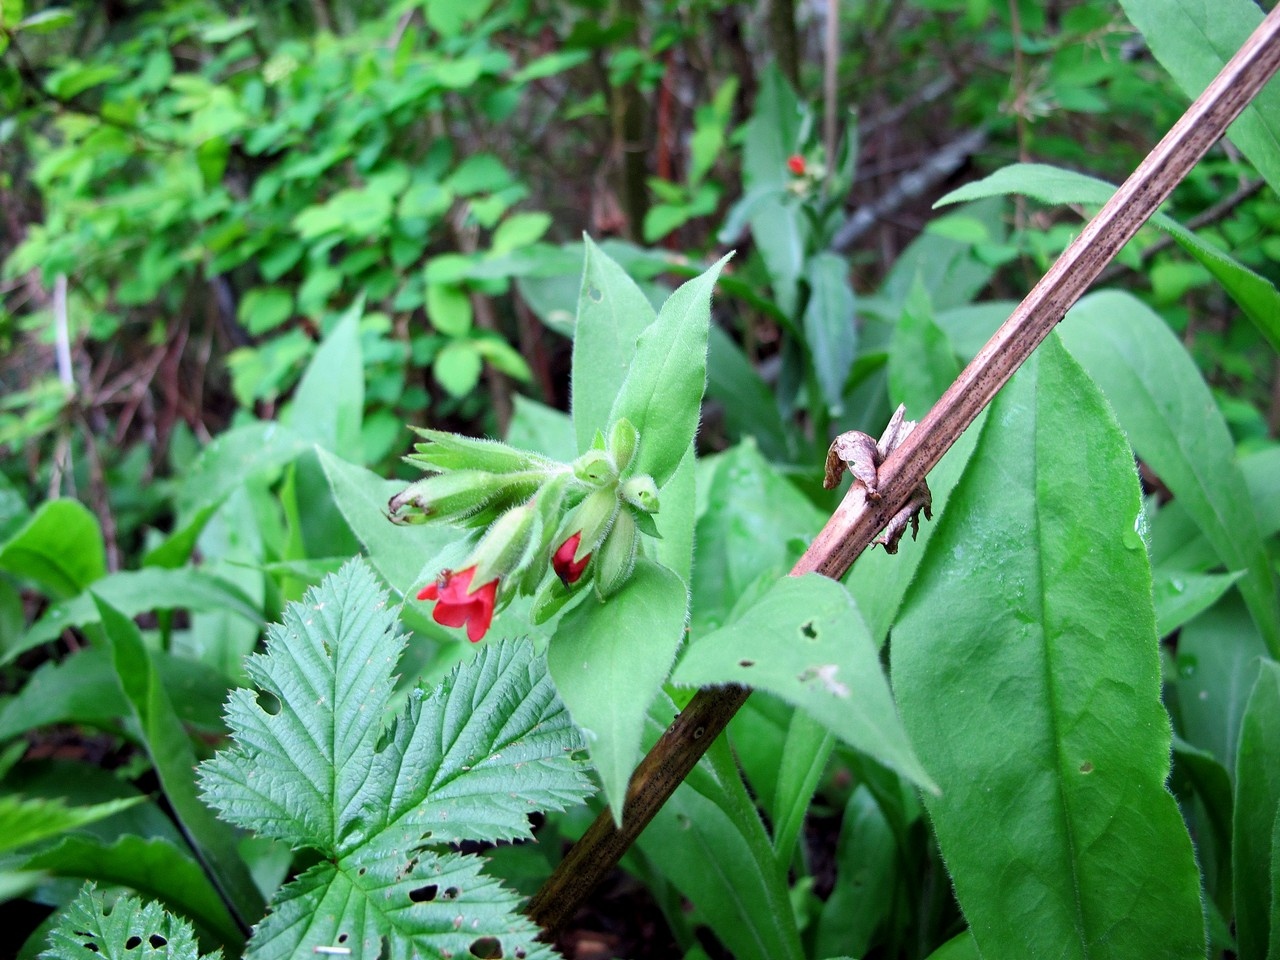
795,163
457,604
563,563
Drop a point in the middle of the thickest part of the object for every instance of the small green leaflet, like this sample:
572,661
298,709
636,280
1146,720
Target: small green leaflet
88,929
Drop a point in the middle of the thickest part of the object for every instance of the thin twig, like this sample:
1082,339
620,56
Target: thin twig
856,521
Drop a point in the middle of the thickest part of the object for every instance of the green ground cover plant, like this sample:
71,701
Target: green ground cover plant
271,690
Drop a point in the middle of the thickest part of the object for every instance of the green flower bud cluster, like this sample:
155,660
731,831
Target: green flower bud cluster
549,528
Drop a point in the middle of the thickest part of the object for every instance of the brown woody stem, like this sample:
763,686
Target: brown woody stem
856,521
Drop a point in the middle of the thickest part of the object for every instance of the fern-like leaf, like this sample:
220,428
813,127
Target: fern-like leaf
315,766
129,930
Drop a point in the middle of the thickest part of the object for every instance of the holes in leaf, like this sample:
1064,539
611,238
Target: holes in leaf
520,953
487,948
595,293
342,938
91,947
809,630
451,893
268,702
1086,767
133,943
157,942
746,663
424,894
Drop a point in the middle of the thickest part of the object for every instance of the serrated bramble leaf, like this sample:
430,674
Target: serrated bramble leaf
87,928
154,867
319,768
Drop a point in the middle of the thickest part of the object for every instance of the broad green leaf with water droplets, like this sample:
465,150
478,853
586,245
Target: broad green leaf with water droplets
1026,668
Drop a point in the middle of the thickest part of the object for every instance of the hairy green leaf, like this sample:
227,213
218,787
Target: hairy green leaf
328,405
1193,41
59,548
612,313
174,760
662,392
830,330
609,661
24,821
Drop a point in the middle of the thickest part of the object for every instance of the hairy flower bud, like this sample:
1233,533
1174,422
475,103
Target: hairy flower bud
641,492
504,550
457,495
623,440
617,556
596,468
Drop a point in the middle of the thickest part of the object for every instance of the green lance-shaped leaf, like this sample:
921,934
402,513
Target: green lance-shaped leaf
805,641
328,405
662,393
612,313
1257,808
1026,668
174,760
922,361
1193,41
1255,295
126,931
470,760
829,326
1166,408
25,821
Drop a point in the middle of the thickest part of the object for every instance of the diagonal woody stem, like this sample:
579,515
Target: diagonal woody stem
856,521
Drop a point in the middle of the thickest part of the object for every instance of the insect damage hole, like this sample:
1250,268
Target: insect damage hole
487,948
424,894
808,630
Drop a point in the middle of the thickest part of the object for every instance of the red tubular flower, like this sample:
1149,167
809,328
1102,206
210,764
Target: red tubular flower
566,568
457,604
795,163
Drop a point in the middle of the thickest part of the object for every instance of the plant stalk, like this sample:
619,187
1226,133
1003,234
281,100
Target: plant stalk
856,521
